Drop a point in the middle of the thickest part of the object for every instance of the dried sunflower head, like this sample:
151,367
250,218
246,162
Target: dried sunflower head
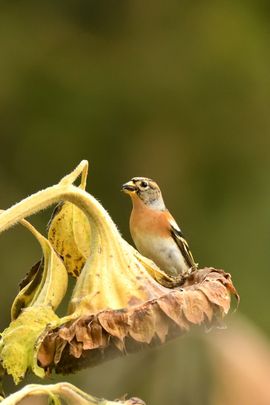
97,336
121,301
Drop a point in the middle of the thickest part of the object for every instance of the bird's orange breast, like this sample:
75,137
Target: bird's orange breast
144,220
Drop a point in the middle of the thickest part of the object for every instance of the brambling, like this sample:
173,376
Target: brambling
154,230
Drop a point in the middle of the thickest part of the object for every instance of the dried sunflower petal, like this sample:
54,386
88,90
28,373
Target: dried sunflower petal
106,334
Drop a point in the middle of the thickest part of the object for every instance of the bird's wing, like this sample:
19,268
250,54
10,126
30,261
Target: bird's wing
181,243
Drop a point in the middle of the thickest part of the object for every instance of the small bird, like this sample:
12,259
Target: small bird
154,230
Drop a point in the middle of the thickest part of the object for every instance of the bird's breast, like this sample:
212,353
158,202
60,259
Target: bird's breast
152,238
149,222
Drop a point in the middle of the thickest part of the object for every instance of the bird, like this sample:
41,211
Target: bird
154,230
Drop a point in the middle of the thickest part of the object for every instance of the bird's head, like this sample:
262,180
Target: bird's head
145,190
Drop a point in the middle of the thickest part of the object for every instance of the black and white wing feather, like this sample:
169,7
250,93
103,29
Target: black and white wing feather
183,245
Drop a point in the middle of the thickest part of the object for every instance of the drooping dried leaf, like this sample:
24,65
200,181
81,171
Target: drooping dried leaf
46,283
150,323
69,233
63,393
28,287
30,275
40,293
69,230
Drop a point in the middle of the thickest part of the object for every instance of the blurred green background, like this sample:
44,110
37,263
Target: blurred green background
177,92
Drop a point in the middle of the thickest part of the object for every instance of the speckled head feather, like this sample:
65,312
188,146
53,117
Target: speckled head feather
147,190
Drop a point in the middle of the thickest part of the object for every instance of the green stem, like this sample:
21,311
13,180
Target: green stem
57,392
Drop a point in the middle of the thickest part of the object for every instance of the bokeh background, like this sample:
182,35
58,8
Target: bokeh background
179,92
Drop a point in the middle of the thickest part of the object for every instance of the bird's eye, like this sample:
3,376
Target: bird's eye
144,184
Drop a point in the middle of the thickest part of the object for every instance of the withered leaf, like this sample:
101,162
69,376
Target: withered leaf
28,287
46,283
69,233
30,275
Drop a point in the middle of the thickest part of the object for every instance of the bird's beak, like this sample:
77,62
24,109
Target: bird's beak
128,187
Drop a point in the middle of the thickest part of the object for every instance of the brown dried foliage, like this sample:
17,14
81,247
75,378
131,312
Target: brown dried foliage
203,299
